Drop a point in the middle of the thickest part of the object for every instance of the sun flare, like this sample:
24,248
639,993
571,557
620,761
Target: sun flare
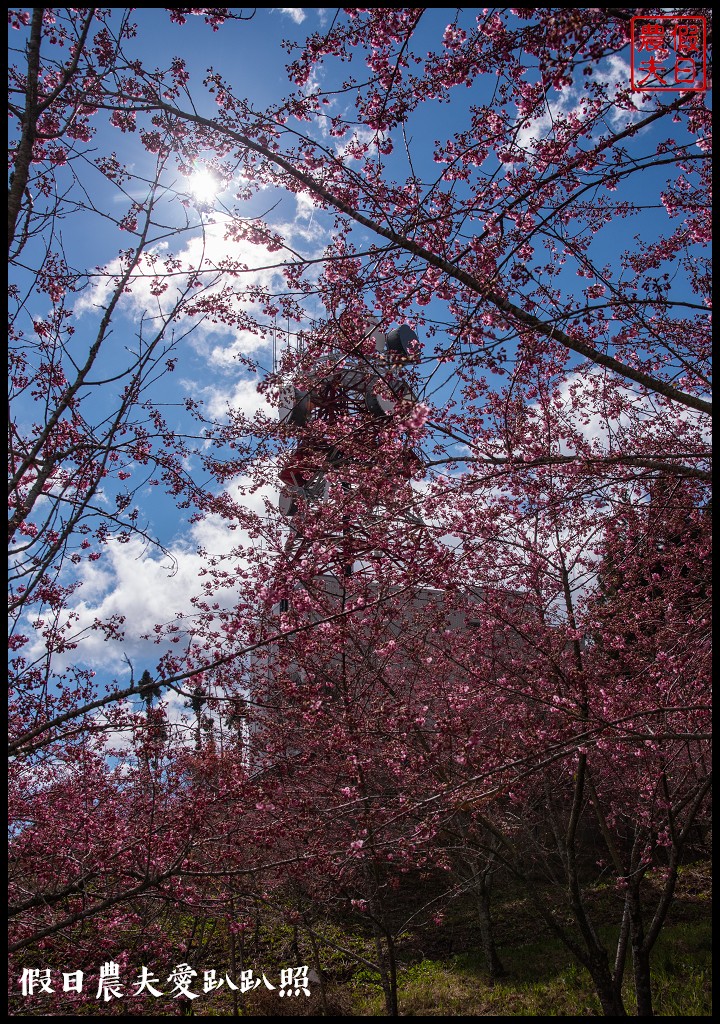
204,185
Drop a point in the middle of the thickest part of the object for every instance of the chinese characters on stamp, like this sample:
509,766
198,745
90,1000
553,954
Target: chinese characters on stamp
668,53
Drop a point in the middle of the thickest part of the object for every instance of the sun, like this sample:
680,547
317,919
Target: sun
204,185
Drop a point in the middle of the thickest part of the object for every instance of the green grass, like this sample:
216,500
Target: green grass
542,981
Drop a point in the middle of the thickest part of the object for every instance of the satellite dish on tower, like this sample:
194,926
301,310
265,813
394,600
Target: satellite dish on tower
295,406
401,341
376,334
378,405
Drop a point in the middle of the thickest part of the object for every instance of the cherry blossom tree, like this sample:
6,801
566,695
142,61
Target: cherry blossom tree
97,768
479,633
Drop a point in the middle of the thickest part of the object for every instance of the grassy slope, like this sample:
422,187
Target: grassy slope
541,980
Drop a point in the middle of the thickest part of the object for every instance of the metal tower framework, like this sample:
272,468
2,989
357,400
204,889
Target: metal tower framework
343,385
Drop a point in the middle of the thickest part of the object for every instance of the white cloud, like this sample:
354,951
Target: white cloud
610,416
213,256
296,13
242,395
617,76
306,225
140,585
229,266
562,105
357,142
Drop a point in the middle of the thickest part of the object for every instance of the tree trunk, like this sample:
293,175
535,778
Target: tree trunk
233,960
643,988
392,975
23,157
608,994
640,957
319,972
482,902
387,969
